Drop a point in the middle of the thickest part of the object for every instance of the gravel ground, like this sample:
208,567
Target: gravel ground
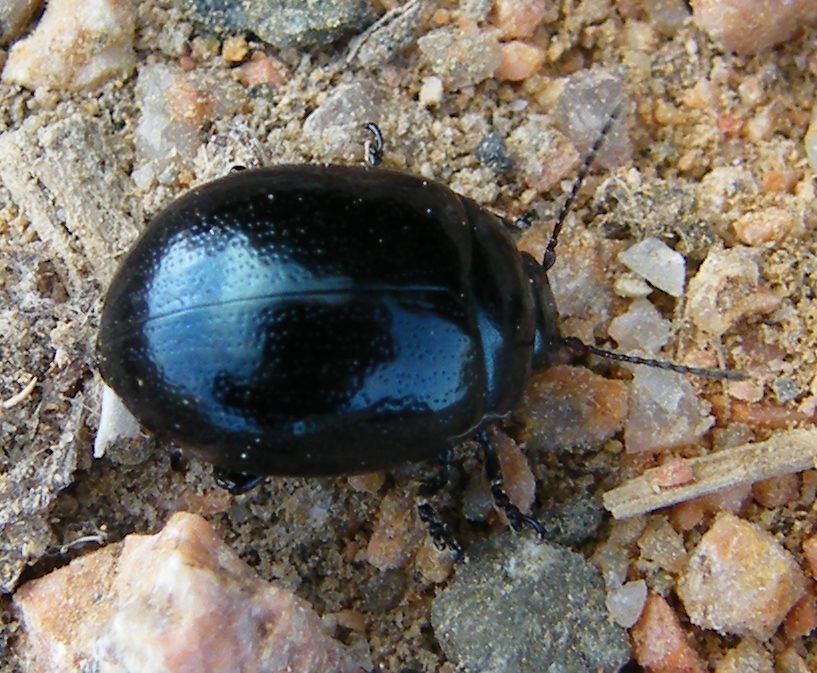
737,149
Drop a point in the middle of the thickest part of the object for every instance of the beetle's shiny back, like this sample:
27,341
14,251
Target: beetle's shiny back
318,320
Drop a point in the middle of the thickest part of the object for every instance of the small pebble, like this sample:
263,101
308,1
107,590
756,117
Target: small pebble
765,227
664,412
777,491
287,23
802,618
337,122
672,473
740,580
810,553
492,152
260,70
631,286
752,26
75,46
660,644
748,656
520,18
115,422
517,477
584,106
431,91
626,602
658,264
461,57
726,289
234,49
662,546
642,328
520,60
397,532
14,17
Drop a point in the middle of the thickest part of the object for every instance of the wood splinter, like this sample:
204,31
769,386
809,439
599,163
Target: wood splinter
783,453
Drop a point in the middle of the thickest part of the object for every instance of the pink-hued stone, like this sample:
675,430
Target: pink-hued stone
740,580
517,477
520,60
180,601
750,26
660,644
520,18
397,533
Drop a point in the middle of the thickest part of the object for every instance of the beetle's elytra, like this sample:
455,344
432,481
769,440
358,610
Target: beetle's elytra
322,320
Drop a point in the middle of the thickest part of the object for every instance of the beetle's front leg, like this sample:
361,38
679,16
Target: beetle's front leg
493,471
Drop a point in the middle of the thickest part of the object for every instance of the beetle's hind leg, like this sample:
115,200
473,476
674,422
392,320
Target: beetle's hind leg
236,483
516,519
439,532
437,529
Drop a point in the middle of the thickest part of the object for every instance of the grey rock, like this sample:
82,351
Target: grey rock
461,58
573,522
287,23
522,607
493,152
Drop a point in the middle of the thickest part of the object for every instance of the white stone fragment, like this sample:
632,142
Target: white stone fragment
431,92
664,411
660,265
626,602
115,422
631,286
641,328
78,44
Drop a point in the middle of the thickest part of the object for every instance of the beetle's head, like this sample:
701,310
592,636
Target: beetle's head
548,340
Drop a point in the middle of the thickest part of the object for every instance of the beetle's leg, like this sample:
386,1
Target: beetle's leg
441,477
493,471
236,482
438,530
374,147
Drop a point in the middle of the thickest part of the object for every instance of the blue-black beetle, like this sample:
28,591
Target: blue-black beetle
328,320
321,320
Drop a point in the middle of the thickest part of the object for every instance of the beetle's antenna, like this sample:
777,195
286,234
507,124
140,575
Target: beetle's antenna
581,348
549,258
374,147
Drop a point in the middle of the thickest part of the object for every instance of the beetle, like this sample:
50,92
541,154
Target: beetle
318,320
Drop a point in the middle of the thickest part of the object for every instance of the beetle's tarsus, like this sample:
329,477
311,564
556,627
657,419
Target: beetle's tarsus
439,532
493,471
236,483
516,519
374,147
